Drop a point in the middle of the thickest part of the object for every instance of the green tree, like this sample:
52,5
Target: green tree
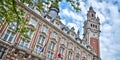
9,11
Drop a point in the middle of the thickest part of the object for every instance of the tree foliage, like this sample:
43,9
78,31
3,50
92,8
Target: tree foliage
10,12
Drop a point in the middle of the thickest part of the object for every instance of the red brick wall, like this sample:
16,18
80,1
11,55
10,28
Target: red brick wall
95,45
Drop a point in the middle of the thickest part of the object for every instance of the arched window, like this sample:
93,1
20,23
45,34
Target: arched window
91,25
92,15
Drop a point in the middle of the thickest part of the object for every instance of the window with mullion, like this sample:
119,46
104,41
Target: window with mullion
52,45
50,55
24,43
8,36
41,39
38,49
62,50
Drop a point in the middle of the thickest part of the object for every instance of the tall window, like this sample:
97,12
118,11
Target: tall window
69,55
24,43
41,39
50,55
52,46
61,51
54,35
8,36
2,51
44,29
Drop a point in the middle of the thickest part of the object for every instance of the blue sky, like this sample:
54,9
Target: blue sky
109,13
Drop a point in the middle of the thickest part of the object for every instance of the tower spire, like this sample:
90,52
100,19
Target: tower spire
92,30
90,8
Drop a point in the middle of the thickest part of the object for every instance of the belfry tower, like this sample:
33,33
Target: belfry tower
92,31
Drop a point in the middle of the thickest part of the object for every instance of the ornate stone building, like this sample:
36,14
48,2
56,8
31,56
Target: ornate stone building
51,40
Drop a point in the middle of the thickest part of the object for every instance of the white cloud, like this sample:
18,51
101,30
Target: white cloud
72,14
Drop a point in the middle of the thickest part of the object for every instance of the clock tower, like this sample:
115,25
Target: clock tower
92,31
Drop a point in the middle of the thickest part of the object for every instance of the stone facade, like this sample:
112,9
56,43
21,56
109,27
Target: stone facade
51,40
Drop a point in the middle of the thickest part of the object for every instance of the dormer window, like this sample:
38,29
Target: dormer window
72,35
57,24
53,13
